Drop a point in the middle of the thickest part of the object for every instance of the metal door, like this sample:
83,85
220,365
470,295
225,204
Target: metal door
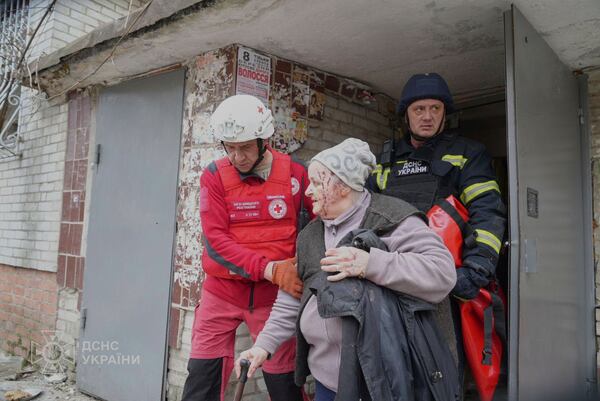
550,314
123,340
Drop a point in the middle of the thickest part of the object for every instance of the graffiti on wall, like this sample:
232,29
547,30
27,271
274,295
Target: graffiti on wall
297,96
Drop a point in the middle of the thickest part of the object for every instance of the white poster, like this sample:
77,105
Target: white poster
253,74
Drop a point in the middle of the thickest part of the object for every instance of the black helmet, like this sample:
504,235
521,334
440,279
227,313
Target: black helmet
425,86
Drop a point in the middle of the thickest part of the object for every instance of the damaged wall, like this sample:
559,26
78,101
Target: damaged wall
30,202
209,80
338,113
42,197
32,304
75,209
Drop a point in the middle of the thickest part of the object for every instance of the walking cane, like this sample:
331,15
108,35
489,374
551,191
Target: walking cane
239,389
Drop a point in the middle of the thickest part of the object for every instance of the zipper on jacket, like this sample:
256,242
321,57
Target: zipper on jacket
251,300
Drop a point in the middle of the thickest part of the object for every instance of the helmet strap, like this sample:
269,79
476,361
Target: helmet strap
262,148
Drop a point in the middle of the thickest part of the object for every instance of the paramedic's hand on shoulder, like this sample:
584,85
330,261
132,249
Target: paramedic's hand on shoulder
284,273
256,355
346,262
468,283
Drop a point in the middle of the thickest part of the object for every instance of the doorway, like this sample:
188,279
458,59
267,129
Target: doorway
485,122
125,307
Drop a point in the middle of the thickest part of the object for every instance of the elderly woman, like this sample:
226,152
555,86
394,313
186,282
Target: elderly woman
371,269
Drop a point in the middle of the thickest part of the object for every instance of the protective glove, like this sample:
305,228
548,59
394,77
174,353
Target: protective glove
285,275
468,283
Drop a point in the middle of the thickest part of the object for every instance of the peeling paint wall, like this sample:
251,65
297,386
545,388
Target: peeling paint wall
313,110
209,80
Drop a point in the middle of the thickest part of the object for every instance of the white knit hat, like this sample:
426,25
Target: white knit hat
352,161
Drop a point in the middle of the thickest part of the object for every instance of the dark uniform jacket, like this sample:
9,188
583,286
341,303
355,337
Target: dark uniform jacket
391,347
450,165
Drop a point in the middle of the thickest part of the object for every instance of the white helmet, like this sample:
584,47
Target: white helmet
241,118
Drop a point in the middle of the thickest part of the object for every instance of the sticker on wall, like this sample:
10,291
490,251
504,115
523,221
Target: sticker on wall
300,91
253,74
285,126
317,104
301,131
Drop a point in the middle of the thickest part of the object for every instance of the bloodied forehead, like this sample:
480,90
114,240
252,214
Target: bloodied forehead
323,178
317,172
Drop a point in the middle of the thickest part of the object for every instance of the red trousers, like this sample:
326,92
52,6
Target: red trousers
213,335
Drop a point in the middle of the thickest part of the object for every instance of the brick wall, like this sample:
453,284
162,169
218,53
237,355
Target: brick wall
42,198
74,18
343,119
594,121
210,79
28,307
71,19
42,43
30,188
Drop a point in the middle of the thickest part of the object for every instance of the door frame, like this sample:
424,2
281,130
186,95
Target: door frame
588,213
513,212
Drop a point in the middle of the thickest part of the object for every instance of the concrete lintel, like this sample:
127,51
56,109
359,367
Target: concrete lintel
89,50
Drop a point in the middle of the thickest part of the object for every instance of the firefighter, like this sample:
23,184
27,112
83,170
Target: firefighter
431,163
251,203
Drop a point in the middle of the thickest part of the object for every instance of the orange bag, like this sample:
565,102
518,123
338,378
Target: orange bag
448,218
485,360
482,318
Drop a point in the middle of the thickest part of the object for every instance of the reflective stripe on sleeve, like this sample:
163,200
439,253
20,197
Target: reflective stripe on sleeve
489,239
456,160
473,191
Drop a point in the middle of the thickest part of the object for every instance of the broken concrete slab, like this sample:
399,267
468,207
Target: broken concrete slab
56,378
10,367
62,391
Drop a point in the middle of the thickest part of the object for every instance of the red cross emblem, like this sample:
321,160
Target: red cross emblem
295,186
261,109
277,208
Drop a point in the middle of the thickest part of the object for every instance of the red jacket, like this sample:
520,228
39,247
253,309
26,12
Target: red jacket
224,250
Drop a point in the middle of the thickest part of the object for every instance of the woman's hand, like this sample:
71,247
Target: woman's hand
256,356
346,261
